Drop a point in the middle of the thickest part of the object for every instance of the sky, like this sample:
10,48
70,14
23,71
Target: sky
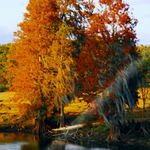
11,14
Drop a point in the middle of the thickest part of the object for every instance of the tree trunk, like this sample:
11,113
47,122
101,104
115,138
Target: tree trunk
114,134
62,117
40,128
42,141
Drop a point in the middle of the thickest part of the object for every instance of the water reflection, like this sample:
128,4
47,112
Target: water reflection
22,141
60,145
13,146
18,141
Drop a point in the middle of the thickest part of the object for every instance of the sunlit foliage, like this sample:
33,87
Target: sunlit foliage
63,48
40,61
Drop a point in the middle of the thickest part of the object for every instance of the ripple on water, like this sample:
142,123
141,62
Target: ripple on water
12,146
74,147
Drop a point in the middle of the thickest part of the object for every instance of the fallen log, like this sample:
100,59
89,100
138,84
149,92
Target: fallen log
70,127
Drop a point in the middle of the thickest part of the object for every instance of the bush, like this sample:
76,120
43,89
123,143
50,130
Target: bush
3,88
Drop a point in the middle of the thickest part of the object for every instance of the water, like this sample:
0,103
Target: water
18,141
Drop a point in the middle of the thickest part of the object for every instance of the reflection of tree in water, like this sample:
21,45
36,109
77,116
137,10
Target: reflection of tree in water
57,145
61,145
41,143
29,147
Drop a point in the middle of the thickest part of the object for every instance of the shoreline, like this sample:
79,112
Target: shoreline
15,129
86,135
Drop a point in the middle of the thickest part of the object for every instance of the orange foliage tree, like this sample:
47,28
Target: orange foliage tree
40,60
110,35
109,49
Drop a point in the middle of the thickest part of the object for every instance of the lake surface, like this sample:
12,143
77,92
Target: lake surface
22,141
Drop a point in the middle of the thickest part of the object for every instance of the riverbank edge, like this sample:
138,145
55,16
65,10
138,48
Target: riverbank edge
102,141
15,129
133,139
136,140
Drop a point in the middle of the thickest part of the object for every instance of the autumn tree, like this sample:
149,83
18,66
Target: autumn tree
110,33
106,59
62,62
40,61
76,13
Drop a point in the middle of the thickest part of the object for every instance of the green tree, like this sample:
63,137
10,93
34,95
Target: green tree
4,51
145,69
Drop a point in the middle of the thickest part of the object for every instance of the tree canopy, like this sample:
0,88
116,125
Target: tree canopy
64,44
41,61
